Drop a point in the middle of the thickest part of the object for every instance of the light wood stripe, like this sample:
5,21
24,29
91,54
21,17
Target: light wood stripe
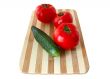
45,54
34,53
33,57
57,65
82,43
69,64
80,59
73,51
29,48
39,54
51,59
45,62
75,61
39,59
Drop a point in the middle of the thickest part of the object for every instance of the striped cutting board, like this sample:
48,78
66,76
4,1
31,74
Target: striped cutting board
35,59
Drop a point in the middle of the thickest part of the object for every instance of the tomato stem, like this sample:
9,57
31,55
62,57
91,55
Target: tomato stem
60,14
67,29
45,5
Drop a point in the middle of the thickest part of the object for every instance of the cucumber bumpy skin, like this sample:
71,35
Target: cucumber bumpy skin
45,41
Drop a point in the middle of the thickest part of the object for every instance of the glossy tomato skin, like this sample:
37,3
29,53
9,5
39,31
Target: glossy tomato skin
66,39
62,17
45,13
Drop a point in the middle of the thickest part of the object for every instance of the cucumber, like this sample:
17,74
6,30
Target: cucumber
45,41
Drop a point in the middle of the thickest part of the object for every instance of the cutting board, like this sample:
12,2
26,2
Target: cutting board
35,59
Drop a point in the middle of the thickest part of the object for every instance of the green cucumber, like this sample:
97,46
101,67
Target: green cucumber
45,41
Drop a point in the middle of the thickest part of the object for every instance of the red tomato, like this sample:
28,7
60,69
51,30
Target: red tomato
45,13
63,17
66,36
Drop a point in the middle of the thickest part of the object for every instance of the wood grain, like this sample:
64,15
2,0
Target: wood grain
73,61
82,42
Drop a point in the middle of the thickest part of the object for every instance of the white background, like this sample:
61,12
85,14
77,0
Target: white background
94,16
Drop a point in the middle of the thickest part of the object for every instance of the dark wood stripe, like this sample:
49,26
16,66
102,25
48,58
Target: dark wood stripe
82,42
62,58
68,10
63,62
50,58
50,65
29,48
75,61
39,54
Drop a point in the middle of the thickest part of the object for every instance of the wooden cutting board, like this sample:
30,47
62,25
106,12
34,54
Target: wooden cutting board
35,59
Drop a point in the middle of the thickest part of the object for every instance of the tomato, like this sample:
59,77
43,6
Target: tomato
66,36
63,17
45,13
